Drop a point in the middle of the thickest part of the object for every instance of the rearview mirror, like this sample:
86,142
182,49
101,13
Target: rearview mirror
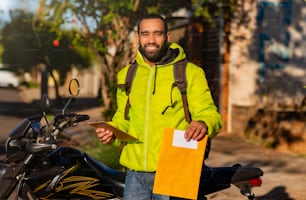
74,87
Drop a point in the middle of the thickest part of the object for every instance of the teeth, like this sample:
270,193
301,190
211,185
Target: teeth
151,48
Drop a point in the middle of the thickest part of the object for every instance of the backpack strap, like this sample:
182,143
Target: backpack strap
128,85
179,71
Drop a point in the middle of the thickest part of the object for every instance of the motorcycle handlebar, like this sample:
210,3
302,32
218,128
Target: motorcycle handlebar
72,117
61,122
65,121
38,147
80,118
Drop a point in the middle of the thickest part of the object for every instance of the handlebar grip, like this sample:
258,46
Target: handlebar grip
36,148
80,118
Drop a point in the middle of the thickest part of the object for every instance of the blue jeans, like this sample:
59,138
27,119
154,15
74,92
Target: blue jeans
139,185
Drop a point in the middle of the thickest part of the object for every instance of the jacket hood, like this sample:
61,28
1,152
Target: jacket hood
174,54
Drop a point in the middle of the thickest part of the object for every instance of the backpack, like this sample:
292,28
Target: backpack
179,72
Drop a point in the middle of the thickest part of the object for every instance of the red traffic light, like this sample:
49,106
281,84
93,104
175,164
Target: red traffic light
55,43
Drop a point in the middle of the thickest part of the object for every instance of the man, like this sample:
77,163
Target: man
155,104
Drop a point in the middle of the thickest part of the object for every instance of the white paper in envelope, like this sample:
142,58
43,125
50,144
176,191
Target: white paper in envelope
180,141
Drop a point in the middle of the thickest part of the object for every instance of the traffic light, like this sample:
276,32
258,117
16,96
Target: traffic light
56,43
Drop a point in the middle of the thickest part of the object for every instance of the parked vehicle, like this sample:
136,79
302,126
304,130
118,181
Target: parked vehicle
37,167
8,79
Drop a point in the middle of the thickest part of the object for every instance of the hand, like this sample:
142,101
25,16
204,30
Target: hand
196,131
105,136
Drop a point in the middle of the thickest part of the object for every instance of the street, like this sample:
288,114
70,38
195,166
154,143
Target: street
16,105
284,175
12,110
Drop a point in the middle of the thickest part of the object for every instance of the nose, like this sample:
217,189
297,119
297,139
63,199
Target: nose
151,38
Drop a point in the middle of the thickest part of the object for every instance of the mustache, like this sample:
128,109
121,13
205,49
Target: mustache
152,44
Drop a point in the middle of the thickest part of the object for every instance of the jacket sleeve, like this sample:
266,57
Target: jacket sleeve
200,102
118,119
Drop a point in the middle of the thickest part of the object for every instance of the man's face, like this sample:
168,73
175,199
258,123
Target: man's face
152,39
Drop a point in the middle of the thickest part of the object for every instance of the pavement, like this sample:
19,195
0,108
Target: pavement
84,103
284,174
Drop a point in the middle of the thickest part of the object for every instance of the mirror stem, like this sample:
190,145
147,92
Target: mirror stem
67,104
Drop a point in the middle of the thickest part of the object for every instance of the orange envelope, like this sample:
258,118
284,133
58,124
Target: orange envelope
179,165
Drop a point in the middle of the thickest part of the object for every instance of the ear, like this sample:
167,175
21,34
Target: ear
168,36
137,37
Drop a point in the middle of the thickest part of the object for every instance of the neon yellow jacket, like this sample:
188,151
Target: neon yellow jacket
151,108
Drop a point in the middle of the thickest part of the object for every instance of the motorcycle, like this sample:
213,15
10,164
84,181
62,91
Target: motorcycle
38,167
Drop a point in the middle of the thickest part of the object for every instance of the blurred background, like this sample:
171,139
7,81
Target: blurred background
253,53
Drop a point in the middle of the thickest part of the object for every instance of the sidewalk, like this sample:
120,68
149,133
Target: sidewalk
284,175
83,103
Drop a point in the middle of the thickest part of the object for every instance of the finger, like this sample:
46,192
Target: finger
200,136
197,134
196,131
101,134
99,130
188,134
106,140
105,136
190,130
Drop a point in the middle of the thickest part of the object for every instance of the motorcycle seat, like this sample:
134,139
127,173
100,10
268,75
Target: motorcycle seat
246,173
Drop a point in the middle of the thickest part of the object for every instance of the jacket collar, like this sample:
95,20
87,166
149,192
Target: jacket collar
173,55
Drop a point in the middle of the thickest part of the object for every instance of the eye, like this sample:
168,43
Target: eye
159,33
144,33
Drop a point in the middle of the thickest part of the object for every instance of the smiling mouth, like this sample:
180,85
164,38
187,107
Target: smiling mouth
151,47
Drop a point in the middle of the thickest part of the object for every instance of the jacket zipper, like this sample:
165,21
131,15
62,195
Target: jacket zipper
147,114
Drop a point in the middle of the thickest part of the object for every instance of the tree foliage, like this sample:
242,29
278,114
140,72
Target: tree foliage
208,9
18,42
24,46
105,27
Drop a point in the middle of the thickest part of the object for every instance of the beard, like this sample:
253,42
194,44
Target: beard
154,56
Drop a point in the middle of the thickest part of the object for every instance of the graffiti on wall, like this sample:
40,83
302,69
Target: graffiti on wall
273,21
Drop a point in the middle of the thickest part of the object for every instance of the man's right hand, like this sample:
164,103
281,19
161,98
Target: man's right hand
105,136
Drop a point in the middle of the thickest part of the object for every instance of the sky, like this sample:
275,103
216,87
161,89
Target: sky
7,5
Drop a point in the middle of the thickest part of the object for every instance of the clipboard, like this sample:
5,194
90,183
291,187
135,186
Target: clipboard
120,135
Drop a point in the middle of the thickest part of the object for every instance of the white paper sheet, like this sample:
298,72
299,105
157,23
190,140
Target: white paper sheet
180,141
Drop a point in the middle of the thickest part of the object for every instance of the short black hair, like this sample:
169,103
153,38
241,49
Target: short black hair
153,16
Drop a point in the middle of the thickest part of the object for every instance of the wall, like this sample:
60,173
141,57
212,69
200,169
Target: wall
268,57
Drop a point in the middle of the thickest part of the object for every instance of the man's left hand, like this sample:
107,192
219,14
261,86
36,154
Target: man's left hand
196,131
